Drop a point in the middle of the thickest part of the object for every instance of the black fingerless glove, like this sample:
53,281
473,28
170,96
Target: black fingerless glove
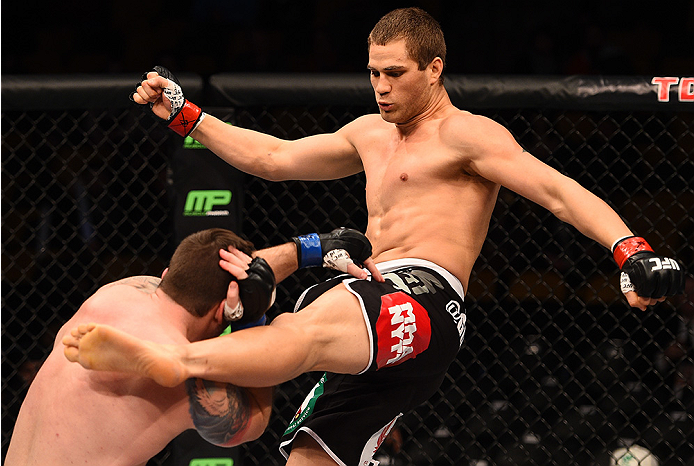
647,273
185,116
332,250
257,294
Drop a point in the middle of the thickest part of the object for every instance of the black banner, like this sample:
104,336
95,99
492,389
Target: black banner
207,192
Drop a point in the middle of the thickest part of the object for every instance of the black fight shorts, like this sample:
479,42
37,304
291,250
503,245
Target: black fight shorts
416,323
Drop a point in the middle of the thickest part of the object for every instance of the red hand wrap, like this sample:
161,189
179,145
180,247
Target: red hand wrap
628,247
184,121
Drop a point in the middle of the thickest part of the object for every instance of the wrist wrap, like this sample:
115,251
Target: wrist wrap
308,250
186,119
236,326
335,250
627,247
185,116
645,272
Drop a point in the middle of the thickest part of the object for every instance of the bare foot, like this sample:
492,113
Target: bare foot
104,348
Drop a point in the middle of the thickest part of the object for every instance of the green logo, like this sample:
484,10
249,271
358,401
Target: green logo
212,462
190,143
201,202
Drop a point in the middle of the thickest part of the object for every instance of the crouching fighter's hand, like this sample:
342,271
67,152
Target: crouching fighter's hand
252,291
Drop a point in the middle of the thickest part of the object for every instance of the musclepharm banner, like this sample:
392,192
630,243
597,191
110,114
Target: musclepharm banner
206,192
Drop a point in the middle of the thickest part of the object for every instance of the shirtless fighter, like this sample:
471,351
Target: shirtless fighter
433,173
73,416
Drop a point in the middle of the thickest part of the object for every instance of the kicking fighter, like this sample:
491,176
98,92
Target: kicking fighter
433,174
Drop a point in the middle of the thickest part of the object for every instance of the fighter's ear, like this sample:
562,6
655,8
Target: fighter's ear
435,69
219,313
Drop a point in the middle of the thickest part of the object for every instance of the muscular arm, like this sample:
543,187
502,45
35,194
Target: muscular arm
282,260
496,156
227,415
568,201
318,157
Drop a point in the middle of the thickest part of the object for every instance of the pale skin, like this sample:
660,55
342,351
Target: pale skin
433,174
74,416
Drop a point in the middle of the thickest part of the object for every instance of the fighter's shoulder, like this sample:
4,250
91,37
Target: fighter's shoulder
467,129
468,124
144,283
130,288
365,123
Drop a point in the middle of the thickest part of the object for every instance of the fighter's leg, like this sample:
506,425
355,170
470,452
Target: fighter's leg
104,348
330,334
307,452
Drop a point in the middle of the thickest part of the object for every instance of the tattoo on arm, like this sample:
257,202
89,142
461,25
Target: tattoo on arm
219,410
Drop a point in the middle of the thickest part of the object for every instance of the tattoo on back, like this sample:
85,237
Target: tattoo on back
219,410
144,283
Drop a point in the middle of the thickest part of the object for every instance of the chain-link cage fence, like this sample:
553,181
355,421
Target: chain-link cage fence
555,367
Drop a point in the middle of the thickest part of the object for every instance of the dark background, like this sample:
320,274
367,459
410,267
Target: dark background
210,36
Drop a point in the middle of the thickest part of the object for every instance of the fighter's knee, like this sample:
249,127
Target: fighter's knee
283,319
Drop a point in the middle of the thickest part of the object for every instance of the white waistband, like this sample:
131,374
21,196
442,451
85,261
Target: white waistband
389,266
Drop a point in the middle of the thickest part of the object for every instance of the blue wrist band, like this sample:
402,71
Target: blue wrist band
311,252
234,327
257,323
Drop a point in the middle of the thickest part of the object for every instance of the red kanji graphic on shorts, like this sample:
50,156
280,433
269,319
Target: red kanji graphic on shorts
403,328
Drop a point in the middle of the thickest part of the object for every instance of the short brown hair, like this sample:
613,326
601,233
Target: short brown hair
422,33
195,280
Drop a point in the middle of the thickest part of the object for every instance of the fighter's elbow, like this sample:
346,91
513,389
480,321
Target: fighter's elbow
255,429
559,210
560,198
252,431
274,174
260,403
230,437
273,169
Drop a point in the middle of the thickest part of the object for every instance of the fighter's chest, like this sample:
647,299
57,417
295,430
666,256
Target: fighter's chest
403,166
